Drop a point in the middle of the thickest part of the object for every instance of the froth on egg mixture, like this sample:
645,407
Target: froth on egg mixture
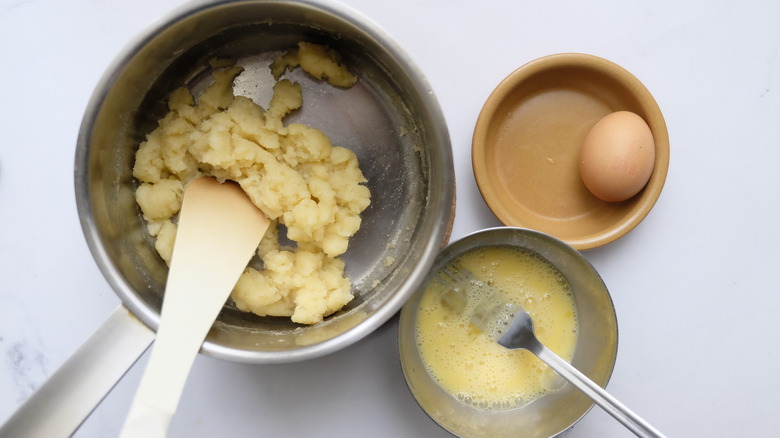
471,365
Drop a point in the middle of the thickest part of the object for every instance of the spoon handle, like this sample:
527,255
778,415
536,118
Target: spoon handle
601,397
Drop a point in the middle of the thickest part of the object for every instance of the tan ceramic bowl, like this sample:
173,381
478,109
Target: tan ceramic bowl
525,150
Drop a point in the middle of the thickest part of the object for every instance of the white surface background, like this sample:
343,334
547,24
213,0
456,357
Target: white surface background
694,285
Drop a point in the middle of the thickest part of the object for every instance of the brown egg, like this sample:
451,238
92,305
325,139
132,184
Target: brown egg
617,156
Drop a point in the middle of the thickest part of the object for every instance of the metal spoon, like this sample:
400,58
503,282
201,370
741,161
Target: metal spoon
492,314
520,334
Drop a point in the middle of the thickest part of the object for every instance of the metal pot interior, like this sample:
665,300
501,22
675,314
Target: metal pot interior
390,119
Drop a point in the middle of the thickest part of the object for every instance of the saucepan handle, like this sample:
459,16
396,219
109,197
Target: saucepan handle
67,398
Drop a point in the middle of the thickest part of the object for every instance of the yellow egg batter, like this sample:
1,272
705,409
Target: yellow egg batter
469,364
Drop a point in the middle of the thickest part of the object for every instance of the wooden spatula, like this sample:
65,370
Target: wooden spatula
219,229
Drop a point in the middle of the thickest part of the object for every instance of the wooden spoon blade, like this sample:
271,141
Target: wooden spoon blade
219,229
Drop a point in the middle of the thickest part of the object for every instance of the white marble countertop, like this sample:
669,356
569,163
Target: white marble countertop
694,284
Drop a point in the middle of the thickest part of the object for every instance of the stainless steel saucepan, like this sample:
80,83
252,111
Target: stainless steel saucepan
390,118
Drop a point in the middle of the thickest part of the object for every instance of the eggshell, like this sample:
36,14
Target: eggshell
617,156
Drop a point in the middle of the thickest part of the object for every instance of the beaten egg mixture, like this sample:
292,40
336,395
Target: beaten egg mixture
470,365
